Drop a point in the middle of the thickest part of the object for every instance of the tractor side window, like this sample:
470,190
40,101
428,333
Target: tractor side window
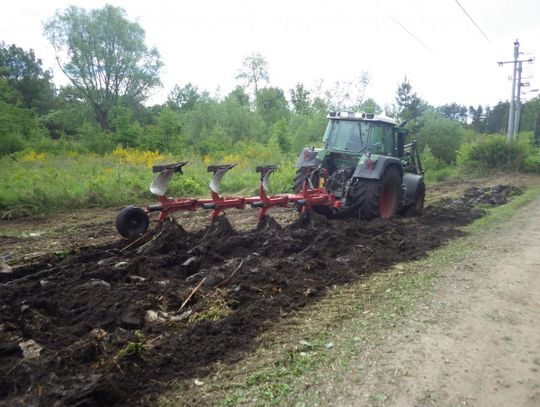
388,140
377,139
382,139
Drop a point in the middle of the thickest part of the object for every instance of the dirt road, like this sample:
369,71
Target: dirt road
477,342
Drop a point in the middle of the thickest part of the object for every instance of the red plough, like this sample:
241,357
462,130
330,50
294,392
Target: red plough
133,221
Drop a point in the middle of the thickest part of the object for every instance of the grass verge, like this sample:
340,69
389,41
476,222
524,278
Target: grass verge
297,355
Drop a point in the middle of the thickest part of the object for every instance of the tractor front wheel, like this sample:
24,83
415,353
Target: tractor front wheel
379,198
298,185
299,178
132,222
415,209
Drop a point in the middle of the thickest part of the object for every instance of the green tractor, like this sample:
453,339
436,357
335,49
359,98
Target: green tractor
366,164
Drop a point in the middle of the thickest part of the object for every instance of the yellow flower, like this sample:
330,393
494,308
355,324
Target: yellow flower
207,160
137,157
31,155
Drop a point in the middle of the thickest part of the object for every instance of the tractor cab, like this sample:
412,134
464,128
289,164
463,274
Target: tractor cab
356,133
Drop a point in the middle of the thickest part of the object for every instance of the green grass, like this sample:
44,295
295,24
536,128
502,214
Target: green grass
42,183
447,173
296,354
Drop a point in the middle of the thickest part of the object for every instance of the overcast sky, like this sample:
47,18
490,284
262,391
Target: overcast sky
204,41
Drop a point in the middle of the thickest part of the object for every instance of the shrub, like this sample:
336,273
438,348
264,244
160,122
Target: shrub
429,161
532,163
442,135
493,152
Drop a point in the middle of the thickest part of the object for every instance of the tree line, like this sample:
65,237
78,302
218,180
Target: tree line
112,72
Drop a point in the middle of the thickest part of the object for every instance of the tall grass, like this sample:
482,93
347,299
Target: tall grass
34,183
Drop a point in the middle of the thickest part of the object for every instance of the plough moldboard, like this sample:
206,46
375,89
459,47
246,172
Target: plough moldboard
134,221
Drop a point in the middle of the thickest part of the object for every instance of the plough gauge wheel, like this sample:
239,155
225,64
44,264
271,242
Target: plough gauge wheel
132,222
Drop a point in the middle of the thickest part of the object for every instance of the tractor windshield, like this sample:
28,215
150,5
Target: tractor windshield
346,135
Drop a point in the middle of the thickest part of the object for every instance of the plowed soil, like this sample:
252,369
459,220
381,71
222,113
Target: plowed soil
116,323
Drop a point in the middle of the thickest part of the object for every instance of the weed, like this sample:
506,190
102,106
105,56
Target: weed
131,349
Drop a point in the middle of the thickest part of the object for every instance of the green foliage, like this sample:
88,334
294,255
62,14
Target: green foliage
477,119
271,105
530,117
300,98
493,152
370,106
532,163
429,161
18,128
104,56
453,111
131,349
408,105
254,70
443,136
304,130
239,97
25,75
37,182
184,98
437,170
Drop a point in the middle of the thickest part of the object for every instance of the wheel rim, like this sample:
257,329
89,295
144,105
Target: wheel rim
136,224
387,204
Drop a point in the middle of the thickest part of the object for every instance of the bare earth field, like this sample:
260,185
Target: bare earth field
87,319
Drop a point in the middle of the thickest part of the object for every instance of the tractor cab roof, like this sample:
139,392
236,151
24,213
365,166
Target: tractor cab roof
365,117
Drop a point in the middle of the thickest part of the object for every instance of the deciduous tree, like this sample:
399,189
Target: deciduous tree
25,74
105,57
271,105
300,98
254,70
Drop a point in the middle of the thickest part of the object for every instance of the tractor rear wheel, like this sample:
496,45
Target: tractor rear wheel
378,198
132,222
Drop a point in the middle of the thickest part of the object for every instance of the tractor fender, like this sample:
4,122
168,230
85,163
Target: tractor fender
411,182
378,166
308,158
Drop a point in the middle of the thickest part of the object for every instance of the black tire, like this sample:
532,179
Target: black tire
378,198
416,208
132,222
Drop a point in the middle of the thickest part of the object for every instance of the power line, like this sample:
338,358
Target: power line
410,33
472,20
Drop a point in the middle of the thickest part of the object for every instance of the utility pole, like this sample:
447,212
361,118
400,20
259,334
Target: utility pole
517,105
513,114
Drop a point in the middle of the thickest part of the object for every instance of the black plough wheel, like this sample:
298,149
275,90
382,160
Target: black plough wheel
379,198
132,222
